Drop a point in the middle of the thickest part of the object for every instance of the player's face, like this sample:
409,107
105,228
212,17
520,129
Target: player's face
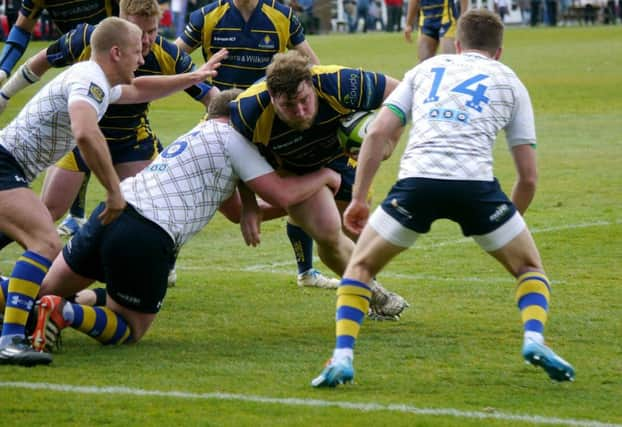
298,111
131,58
149,26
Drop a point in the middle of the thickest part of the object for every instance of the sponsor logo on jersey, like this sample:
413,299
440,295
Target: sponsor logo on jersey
225,39
175,149
96,93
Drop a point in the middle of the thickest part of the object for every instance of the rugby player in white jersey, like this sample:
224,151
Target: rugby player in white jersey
62,114
457,104
167,203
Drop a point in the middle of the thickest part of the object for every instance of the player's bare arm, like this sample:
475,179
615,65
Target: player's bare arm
94,149
524,188
412,17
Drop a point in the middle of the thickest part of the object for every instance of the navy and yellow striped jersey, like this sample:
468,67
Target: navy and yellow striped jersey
272,28
67,14
124,122
340,91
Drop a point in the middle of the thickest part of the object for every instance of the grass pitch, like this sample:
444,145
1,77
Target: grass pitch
237,342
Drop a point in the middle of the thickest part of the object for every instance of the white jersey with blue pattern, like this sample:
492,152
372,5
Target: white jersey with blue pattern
457,104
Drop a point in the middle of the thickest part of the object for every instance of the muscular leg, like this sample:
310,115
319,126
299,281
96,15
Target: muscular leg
25,219
320,218
426,46
60,188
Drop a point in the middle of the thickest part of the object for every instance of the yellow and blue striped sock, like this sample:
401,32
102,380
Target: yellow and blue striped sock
533,294
22,292
353,299
101,323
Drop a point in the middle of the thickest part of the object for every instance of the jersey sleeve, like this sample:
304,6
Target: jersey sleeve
31,9
193,33
247,163
521,129
93,91
354,89
71,47
401,99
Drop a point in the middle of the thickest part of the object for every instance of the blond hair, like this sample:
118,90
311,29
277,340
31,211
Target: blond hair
111,32
146,8
286,72
219,105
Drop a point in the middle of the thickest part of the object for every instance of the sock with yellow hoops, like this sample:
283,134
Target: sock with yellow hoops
101,323
22,291
533,294
353,299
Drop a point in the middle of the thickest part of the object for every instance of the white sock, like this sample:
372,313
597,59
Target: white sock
536,337
343,353
68,312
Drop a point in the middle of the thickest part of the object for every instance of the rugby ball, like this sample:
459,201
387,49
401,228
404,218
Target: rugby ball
352,130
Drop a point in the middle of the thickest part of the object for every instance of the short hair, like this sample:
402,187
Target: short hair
146,8
219,105
286,72
111,32
480,29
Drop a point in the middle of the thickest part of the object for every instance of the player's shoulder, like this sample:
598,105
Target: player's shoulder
164,47
214,6
278,6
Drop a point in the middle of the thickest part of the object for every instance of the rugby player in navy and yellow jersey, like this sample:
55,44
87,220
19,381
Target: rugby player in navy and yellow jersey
132,142
436,21
66,14
254,31
292,116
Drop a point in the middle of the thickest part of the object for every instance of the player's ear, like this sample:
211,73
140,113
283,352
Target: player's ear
458,46
115,53
497,54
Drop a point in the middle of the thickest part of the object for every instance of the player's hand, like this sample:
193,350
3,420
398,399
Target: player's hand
115,203
334,180
408,31
208,69
3,77
355,216
250,225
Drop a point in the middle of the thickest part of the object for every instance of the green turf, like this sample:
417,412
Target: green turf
237,324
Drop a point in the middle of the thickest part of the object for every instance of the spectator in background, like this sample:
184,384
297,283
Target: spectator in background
502,9
394,15
535,12
179,8
551,12
362,12
525,11
349,10
375,16
304,10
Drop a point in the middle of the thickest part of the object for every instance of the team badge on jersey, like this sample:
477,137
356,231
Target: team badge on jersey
96,93
267,43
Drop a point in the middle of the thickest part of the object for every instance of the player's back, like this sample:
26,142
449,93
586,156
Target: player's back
458,104
67,14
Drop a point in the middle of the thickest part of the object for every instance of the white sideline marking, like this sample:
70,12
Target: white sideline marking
363,407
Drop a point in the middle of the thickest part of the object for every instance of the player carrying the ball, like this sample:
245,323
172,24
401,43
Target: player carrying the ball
293,116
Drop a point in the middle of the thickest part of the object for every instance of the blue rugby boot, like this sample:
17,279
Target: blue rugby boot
338,372
540,355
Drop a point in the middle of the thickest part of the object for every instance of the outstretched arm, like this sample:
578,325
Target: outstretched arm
16,44
28,73
149,88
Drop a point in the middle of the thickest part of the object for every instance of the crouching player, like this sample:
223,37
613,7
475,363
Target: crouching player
168,202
